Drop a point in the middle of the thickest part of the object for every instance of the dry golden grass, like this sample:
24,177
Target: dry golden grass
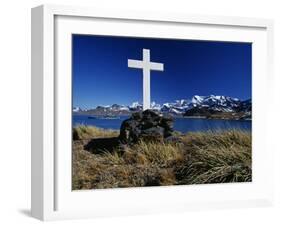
82,132
200,158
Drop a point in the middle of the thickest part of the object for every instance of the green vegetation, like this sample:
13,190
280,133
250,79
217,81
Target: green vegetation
199,158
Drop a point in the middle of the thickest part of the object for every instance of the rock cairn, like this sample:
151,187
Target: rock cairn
147,126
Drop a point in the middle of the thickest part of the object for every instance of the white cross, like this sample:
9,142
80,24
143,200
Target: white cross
146,66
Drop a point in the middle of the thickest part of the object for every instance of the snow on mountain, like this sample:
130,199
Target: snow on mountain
197,99
124,108
218,103
177,107
155,106
76,109
135,106
117,107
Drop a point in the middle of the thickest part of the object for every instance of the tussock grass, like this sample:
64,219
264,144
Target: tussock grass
216,158
82,132
158,153
200,158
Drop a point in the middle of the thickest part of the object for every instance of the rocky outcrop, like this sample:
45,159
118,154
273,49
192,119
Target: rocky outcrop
148,126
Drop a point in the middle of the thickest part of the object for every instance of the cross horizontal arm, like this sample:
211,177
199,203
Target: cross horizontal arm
156,66
135,64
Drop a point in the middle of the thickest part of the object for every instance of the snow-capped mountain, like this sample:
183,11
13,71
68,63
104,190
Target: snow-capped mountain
114,109
117,107
219,107
197,106
217,103
135,106
177,107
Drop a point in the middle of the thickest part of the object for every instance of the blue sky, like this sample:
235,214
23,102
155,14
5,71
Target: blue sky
101,75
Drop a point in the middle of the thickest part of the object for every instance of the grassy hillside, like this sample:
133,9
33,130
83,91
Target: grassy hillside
200,158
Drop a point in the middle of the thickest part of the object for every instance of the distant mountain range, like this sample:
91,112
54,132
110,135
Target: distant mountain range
212,106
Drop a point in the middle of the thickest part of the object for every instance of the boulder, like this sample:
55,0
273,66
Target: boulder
147,125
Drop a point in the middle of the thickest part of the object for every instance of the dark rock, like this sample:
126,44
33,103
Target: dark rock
100,145
168,133
152,134
201,111
147,125
152,181
129,131
137,115
149,114
75,135
166,123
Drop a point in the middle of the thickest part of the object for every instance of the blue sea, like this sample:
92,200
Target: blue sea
180,124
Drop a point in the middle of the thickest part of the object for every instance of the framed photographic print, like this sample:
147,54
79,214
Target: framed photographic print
138,113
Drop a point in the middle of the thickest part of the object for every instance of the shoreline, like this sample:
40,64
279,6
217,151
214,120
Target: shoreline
173,116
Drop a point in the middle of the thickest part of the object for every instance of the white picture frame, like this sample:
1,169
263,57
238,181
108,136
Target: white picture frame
52,197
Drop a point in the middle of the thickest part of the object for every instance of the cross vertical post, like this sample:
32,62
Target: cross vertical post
146,79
